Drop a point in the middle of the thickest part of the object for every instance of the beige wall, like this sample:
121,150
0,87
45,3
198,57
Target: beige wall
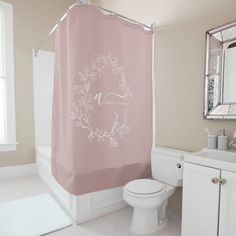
33,19
180,49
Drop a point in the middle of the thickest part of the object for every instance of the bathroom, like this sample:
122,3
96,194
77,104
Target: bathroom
180,120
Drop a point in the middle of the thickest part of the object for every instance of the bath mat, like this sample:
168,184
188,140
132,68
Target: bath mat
32,216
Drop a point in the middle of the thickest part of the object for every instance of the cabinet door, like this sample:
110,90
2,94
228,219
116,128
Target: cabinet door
227,225
200,201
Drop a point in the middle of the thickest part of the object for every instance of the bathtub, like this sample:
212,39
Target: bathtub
83,207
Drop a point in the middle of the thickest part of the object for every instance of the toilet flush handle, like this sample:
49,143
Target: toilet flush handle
179,165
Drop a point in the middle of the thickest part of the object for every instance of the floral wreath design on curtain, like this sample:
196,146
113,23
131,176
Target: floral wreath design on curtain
84,101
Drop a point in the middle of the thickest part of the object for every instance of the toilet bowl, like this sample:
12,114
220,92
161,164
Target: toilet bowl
149,200
149,197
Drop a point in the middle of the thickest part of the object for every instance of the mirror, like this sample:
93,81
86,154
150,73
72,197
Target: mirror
230,76
220,73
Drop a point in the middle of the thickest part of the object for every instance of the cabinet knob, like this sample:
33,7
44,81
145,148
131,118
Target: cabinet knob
215,180
222,181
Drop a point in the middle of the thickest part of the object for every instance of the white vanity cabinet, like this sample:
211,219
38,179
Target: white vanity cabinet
227,206
209,201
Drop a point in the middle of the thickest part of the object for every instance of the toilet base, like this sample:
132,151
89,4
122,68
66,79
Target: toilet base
145,221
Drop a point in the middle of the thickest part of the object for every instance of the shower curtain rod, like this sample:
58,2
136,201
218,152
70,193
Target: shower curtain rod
85,4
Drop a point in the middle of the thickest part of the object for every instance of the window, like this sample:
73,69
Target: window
7,91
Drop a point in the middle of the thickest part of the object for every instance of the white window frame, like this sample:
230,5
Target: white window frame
10,139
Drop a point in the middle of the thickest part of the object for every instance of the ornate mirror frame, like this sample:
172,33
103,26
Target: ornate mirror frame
216,39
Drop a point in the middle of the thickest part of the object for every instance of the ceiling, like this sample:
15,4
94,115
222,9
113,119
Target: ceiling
165,12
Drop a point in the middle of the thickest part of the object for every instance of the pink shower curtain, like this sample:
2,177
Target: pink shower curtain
102,115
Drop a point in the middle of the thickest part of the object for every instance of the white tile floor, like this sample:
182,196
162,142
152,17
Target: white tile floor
21,188
115,224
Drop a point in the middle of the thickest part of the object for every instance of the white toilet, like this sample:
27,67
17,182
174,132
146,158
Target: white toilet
149,197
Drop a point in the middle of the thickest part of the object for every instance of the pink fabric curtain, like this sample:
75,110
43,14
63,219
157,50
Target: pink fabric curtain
102,114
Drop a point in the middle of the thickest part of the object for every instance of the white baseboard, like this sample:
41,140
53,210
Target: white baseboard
11,172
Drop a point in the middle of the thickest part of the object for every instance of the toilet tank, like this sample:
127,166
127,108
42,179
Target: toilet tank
167,165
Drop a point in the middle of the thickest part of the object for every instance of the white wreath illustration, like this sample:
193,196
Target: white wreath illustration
84,101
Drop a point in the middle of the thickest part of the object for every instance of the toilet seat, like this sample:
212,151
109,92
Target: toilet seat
145,188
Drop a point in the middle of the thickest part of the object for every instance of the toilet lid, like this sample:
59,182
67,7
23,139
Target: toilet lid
144,186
